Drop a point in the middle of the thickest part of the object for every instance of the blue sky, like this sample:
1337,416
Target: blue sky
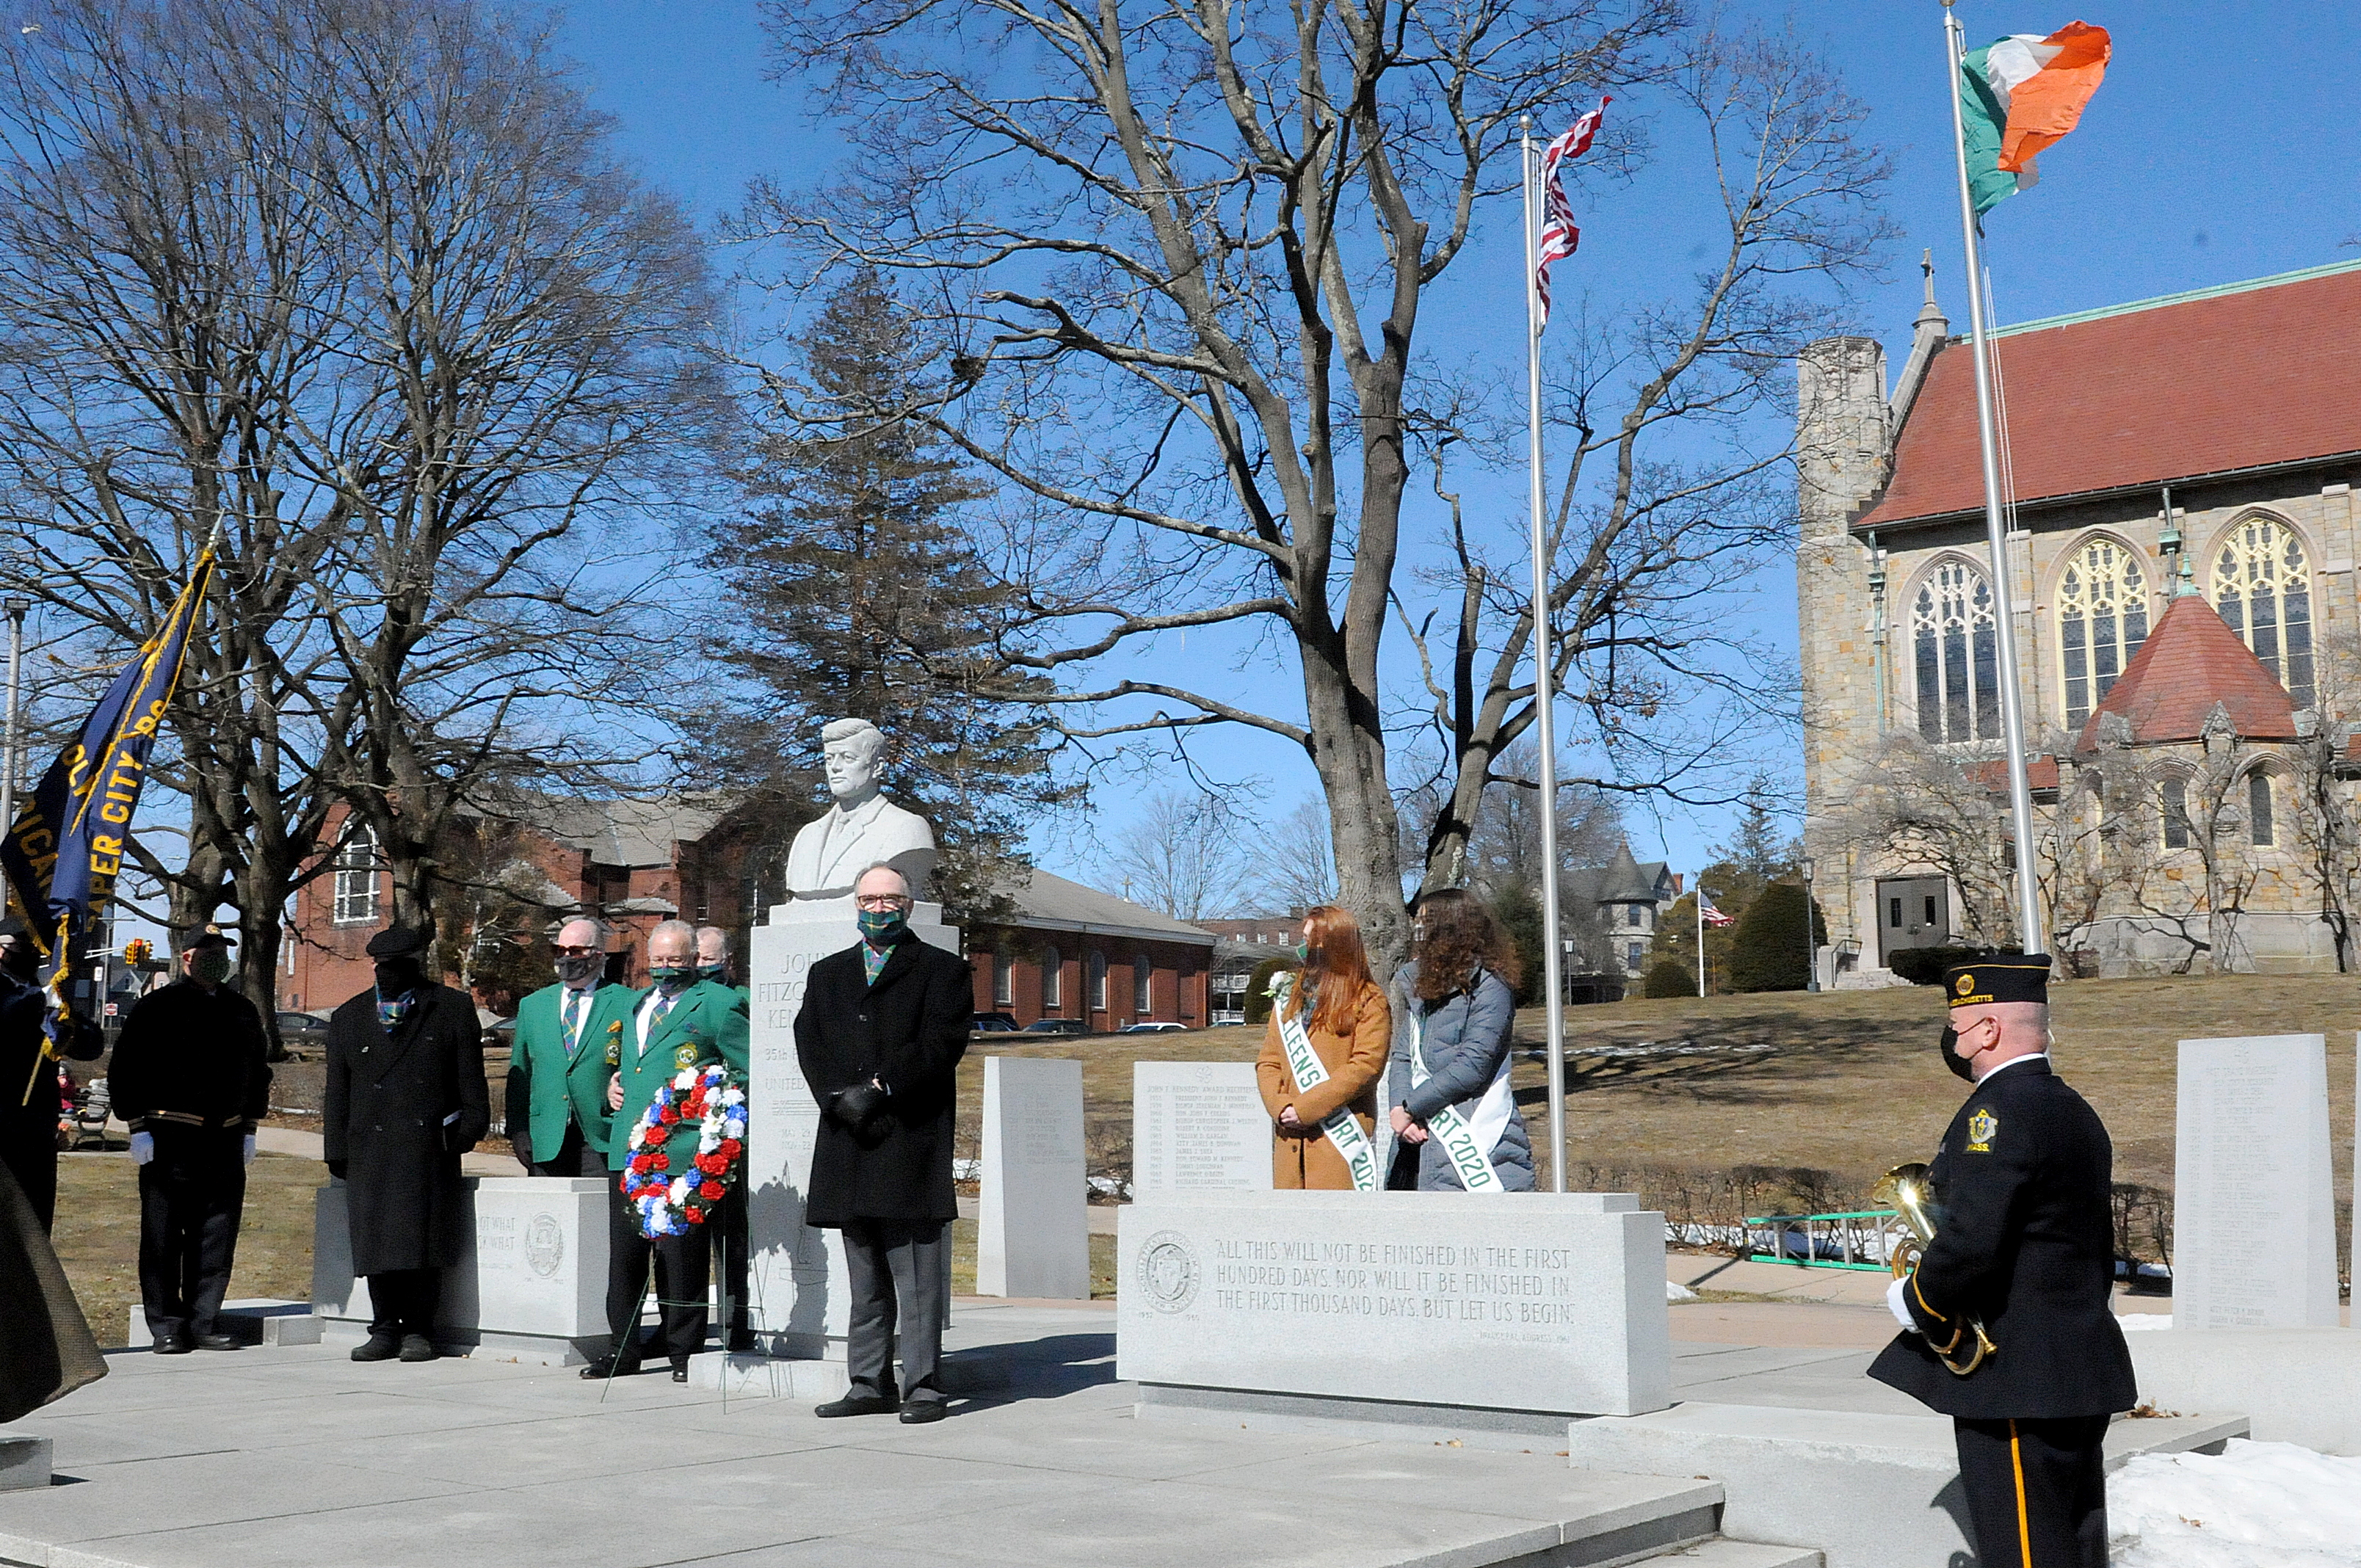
2204,159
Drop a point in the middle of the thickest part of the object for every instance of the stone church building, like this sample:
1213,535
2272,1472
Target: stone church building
2181,561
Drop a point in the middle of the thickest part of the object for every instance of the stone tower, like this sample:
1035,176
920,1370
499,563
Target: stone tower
1844,443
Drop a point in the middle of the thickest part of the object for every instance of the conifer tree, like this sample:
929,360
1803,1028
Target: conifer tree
853,592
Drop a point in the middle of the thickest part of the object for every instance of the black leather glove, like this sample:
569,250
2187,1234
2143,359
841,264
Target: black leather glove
336,1168
857,1106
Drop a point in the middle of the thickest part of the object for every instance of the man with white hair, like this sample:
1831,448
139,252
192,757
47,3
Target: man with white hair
678,1022
568,1044
880,1035
862,828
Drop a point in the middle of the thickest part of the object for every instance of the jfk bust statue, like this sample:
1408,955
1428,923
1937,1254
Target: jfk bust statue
862,828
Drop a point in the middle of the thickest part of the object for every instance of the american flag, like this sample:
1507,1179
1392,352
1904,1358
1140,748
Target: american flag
1559,236
1711,916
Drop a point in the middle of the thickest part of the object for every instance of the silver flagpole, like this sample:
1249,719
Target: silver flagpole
2012,710
1544,699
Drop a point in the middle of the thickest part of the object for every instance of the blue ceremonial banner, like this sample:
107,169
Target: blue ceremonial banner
64,850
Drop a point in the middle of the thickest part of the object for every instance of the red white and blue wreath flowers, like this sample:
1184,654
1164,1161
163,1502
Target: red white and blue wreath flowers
670,1193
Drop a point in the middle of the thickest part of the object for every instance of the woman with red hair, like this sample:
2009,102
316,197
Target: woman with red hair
1329,1029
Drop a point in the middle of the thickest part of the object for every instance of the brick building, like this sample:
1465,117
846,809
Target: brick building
2181,571
631,864
1071,951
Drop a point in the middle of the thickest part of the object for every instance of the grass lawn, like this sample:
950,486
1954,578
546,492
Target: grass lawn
1844,1083
97,1235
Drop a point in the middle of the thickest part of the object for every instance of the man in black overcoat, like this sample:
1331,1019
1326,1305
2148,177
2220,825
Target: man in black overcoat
882,1026
29,1127
190,1077
2025,1245
405,1100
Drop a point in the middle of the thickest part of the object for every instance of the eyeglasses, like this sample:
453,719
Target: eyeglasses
883,901
575,951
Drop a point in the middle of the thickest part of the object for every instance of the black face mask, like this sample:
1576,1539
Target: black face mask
399,977
1951,1058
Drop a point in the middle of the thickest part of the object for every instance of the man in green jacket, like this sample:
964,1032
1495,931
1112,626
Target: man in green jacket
729,1221
568,1044
680,1022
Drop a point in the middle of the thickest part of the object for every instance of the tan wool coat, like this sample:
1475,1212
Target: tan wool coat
1356,1062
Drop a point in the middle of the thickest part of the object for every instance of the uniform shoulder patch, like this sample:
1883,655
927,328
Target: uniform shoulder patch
1981,1128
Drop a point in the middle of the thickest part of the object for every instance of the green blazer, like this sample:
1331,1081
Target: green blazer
547,1089
707,1024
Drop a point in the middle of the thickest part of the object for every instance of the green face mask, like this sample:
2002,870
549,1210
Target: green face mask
211,966
672,977
1302,953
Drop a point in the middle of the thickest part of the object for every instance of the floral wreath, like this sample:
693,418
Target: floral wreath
667,1202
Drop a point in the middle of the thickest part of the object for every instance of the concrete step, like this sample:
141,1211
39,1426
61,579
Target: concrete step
1723,1552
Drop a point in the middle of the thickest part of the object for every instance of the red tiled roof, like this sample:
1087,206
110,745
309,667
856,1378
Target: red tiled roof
2233,379
2040,774
2189,663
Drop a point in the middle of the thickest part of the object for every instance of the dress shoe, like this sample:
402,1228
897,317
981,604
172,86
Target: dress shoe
919,1412
858,1405
680,1371
418,1348
171,1343
220,1342
380,1347
608,1367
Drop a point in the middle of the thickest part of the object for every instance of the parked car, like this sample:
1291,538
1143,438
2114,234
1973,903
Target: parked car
302,1031
993,1023
1056,1026
1152,1028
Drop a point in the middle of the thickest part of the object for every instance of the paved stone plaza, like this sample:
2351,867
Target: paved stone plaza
299,1457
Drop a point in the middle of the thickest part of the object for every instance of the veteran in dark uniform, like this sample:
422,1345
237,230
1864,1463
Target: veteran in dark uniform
405,1098
190,1076
678,1022
29,1127
558,1071
2023,1247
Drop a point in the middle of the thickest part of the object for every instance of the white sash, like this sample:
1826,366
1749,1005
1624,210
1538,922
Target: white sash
1467,1144
1342,1127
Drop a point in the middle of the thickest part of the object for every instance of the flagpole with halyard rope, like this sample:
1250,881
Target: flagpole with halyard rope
1544,699
2012,713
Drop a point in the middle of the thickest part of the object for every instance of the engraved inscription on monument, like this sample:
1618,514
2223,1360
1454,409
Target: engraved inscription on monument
1198,1126
2254,1242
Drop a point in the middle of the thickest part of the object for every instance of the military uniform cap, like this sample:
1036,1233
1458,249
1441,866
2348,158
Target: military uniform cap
1998,977
12,927
397,942
208,937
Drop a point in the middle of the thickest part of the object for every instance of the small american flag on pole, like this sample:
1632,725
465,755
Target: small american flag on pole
1559,236
1706,912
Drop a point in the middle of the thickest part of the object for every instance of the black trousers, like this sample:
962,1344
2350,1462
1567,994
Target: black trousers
681,1274
575,1157
728,1224
895,1272
192,1195
2036,1491
403,1301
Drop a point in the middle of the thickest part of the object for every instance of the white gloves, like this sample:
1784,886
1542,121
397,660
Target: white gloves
249,1148
143,1147
1893,1304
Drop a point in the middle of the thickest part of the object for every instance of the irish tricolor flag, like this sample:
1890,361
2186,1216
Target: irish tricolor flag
2018,95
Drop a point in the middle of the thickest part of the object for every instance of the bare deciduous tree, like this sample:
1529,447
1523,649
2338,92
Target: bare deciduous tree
1187,855
1178,255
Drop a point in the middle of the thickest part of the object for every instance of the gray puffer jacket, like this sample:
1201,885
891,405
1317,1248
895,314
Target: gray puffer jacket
1464,1038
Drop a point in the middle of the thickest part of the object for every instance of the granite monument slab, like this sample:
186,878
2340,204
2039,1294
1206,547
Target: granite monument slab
1032,1220
2254,1200
1198,1126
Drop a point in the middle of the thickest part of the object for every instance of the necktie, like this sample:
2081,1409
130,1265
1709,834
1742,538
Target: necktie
572,1020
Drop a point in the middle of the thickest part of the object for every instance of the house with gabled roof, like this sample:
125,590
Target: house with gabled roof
2180,564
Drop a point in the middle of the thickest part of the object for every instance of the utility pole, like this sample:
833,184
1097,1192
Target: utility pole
16,610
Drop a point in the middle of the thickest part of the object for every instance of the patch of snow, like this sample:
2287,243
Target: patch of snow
1676,1291
2131,1321
2255,1504
967,1171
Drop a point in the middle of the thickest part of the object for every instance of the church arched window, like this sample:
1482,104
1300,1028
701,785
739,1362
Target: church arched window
1955,646
2261,584
2102,621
